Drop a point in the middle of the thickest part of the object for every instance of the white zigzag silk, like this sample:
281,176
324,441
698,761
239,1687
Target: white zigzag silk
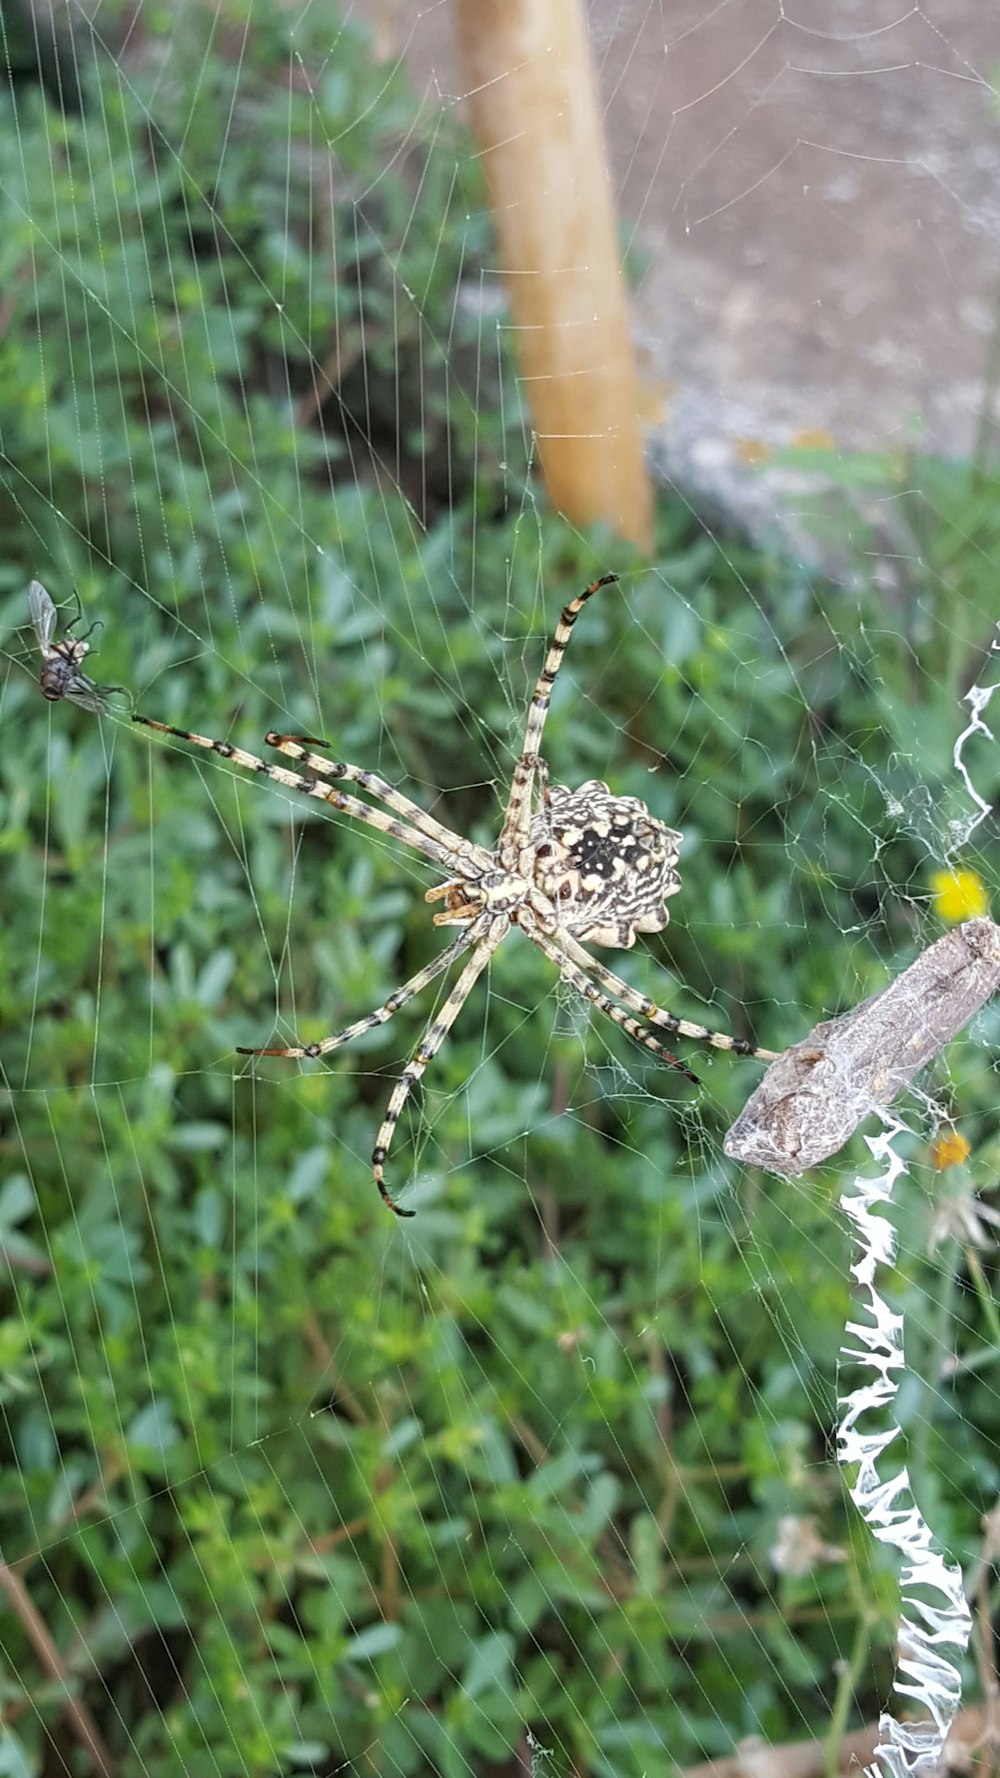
924,1674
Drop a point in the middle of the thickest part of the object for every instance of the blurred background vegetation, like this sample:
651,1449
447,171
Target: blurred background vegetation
293,1488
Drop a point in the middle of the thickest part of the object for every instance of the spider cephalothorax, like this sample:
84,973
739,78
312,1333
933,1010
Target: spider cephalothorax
596,866
570,867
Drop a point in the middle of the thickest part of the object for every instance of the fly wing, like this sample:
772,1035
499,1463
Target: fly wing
43,615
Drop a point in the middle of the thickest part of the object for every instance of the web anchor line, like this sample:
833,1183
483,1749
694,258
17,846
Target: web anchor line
925,1674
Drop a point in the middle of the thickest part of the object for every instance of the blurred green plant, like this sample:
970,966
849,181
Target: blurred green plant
292,1490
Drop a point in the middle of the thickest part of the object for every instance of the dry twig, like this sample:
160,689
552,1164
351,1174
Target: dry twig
818,1092
43,1642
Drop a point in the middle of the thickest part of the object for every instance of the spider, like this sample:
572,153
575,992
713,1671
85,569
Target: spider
62,675
570,867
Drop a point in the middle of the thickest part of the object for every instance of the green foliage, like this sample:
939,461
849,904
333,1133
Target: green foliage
296,1488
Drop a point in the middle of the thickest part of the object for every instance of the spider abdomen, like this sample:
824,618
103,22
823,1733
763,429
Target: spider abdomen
605,863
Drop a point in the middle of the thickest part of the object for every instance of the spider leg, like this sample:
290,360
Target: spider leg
583,985
381,1015
568,946
294,747
425,1052
307,785
517,818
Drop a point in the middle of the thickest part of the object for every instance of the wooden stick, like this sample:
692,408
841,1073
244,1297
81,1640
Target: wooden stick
818,1092
534,112
44,1644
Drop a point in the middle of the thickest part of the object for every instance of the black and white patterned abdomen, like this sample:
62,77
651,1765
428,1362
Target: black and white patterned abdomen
606,863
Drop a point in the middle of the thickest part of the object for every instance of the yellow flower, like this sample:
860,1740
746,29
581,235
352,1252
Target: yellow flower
958,895
949,1150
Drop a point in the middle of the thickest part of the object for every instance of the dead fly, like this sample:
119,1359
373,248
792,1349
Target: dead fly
62,675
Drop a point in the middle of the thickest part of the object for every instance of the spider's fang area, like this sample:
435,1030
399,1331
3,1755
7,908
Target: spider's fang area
460,904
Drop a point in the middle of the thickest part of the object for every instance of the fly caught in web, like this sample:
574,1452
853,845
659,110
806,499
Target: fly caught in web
62,674
570,868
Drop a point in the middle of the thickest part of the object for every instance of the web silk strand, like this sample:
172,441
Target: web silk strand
935,1614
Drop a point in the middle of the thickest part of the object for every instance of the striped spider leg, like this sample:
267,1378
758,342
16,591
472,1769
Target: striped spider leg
417,829
325,1046
570,868
428,1047
572,959
517,817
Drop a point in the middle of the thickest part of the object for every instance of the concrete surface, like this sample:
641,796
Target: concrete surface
814,189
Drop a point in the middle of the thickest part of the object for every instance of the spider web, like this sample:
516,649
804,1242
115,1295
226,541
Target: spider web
543,1481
